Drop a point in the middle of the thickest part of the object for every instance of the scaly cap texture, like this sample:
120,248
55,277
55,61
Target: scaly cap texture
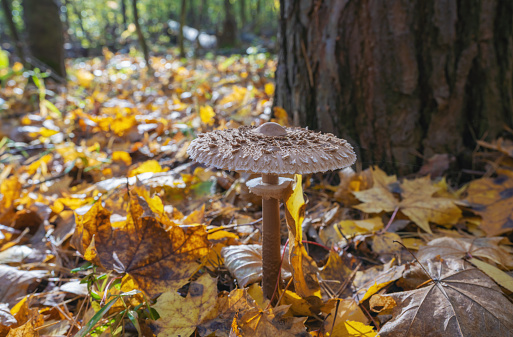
271,149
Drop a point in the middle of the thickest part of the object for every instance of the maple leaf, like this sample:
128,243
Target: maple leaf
462,301
157,259
304,270
492,199
228,304
454,248
180,316
272,322
417,202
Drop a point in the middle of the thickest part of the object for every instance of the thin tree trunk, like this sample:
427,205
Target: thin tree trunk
183,12
140,36
6,6
228,39
242,13
44,34
123,14
78,12
398,78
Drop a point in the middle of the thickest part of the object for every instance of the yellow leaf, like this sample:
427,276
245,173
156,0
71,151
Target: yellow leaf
374,289
84,78
348,310
502,278
492,198
207,114
358,329
417,202
17,66
122,156
148,166
300,306
304,270
180,316
280,116
269,89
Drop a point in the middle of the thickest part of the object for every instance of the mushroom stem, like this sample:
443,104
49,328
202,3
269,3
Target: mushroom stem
271,258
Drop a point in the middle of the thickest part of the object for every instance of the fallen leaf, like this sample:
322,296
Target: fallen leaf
245,263
492,199
456,248
502,278
180,316
347,310
207,115
158,260
378,303
228,304
462,302
304,269
16,283
257,322
417,203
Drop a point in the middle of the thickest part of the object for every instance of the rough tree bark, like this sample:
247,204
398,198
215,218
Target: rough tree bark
398,78
44,34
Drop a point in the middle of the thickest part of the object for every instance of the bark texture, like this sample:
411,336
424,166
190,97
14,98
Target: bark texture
398,78
45,37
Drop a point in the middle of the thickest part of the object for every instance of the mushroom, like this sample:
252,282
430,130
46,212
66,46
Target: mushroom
271,150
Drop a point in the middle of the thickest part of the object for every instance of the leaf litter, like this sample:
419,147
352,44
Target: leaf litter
106,227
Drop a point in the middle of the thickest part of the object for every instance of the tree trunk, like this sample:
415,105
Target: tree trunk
44,34
140,36
242,13
398,78
123,14
228,38
183,11
12,30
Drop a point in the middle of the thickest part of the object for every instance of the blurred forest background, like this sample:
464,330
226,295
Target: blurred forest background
85,27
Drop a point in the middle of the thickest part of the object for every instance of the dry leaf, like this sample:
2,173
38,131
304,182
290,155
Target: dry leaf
462,302
304,269
180,316
456,248
257,322
492,198
417,203
158,260
15,283
245,263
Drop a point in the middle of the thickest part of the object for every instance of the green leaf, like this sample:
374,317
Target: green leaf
4,59
52,107
134,318
96,318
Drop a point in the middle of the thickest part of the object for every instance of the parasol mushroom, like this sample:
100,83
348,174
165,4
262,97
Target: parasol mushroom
271,150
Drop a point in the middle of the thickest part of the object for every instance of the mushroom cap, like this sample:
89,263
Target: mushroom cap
271,149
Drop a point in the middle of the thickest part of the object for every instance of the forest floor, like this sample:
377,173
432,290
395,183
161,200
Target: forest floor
108,228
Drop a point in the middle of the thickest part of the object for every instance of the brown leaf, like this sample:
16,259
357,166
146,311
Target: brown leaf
457,248
463,302
15,283
257,322
492,199
158,260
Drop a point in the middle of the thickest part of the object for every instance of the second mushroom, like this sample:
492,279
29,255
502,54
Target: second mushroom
272,151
